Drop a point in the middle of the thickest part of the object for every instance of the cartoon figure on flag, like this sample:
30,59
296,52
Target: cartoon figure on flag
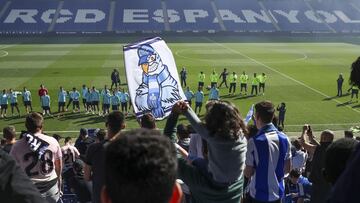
152,77
158,89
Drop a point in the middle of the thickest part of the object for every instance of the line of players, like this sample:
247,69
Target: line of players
91,98
257,83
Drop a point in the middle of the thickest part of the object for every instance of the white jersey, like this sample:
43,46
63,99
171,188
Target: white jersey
39,170
70,153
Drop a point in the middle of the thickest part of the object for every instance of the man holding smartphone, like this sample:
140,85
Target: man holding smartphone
321,187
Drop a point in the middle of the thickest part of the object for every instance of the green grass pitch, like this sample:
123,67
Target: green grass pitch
300,73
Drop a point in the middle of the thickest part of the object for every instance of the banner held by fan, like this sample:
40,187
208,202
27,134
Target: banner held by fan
152,77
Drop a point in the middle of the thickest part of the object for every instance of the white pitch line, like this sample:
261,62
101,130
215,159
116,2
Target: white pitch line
282,74
5,53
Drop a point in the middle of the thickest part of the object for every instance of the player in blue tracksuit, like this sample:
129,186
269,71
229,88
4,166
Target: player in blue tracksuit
27,100
95,99
88,102
75,96
189,95
106,102
124,98
13,101
61,99
84,92
214,93
4,101
115,101
45,104
199,99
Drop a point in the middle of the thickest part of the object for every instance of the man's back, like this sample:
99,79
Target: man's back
95,157
70,153
267,153
40,170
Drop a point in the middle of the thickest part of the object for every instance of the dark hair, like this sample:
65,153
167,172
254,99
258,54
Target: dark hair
355,73
223,119
265,110
2,142
115,120
251,131
100,135
140,167
190,129
9,132
294,173
148,121
33,122
348,134
296,144
182,131
336,157
67,139
57,137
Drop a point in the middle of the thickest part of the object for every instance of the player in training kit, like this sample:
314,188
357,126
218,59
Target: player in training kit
84,92
243,82
95,98
199,99
13,101
354,92
262,80
183,76
88,97
45,104
106,97
124,98
75,96
40,157
27,100
224,76
254,85
42,91
115,100
61,99
233,79
189,95
4,103
201,79
214,93
214,78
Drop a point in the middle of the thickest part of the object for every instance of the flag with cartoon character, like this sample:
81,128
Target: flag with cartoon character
152,77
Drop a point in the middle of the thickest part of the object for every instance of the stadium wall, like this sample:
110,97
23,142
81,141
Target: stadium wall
200,16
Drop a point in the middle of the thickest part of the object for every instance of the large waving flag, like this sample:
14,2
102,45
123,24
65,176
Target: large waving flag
152,77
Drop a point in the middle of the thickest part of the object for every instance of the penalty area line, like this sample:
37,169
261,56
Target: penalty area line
278,72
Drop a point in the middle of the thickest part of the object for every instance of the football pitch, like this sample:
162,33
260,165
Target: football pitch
300,73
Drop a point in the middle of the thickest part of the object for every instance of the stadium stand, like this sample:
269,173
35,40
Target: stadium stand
82,16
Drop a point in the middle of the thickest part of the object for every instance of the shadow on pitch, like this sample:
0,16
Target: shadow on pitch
356,106
334,97
245,97
345,103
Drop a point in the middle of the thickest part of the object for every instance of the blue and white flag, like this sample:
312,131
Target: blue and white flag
249,115
152,77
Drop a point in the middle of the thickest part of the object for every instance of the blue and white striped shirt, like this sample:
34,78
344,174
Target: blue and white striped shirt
45,100
267,153
189,95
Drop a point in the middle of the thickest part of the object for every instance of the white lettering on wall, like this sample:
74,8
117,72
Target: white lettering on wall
26,15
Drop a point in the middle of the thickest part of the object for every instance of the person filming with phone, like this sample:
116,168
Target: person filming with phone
321,187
